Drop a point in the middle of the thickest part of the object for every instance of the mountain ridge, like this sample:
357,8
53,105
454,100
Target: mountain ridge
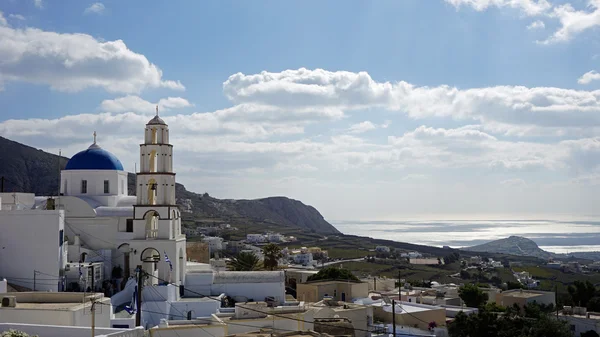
35,171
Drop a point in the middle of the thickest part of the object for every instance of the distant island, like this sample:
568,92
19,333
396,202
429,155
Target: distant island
520,246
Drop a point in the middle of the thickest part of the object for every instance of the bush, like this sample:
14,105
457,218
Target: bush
333,273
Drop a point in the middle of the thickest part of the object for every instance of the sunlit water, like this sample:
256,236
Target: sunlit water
552,236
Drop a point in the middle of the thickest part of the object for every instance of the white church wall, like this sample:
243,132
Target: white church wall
200,307
198,283
251,291
71,182
30,242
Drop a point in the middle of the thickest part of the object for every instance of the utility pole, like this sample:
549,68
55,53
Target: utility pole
138,306
394,317
93,310
34,273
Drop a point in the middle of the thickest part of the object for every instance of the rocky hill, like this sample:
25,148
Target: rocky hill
26,169
513,245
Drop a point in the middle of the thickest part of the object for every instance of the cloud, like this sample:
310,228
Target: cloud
95,8
362,127
38,4
16,17
74,62
3,21
516,182
539,24
137,104
574,22
527,7
589,77
511,108
414,176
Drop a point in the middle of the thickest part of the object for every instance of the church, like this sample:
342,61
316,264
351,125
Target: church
127,230
105,234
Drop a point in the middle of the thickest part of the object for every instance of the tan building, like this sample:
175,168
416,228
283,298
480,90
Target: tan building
411,314
198,252
339,290
359,317
523,297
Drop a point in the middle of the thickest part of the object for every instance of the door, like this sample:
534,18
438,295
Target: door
343,297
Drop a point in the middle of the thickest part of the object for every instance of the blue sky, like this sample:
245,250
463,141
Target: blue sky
365,110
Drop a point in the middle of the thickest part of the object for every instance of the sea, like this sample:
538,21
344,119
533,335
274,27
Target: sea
564,236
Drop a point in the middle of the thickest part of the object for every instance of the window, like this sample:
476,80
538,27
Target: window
129,226
106,187
83,186
123,187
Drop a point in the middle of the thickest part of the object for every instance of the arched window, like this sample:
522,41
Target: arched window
153,161
154,136
152,191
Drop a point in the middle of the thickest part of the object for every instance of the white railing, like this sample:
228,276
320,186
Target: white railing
151,233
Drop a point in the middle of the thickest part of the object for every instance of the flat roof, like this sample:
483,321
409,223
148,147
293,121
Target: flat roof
524,294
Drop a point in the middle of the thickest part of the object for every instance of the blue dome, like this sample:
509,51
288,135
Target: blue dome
94,158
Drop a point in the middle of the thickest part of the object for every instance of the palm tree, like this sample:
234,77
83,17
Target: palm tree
244,261
272,254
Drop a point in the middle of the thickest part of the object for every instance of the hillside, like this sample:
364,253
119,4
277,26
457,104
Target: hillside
33,170
513,245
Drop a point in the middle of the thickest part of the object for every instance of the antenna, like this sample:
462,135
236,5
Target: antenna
59,155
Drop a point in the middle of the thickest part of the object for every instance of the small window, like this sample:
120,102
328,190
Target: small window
129,226
83,186
106,187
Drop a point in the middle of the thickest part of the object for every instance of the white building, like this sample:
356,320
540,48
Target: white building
25,231
382,249
52,308
255,238
275,237
304,257
215,243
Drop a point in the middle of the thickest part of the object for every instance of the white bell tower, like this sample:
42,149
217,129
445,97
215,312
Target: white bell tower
157,220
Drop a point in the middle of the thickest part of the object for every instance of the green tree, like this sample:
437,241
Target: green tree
594,304
590,333
472,295
15,333
510,324
272,253
244,261
333,273
581,292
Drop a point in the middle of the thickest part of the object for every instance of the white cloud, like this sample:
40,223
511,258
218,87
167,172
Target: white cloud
137,104
589,77
95,8
528,7
362,127
73,62
16,17
510,106
3,21
574,22
38,4
516,182
539,24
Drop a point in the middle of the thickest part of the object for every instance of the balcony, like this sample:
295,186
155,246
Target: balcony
151,233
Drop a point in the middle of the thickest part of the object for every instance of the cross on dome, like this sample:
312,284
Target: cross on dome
94,137
157,109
